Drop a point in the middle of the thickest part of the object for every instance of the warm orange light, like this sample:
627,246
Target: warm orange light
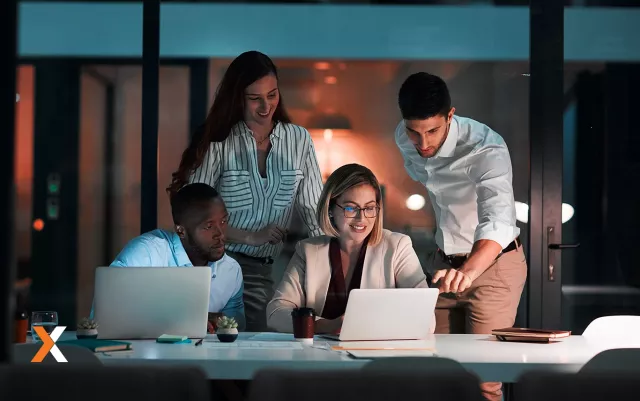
38,224
322,66
328,135
330,80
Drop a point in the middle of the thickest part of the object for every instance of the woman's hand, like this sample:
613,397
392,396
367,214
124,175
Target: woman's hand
333,326
272,234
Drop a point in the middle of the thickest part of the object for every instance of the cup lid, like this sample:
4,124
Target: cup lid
299,312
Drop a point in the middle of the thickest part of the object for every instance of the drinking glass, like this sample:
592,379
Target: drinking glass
48,320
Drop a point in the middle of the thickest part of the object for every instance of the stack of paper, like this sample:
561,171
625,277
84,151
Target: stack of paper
254,345
385,349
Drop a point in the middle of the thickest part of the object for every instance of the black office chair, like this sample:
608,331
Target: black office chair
548,386
73,382
370,385
623,359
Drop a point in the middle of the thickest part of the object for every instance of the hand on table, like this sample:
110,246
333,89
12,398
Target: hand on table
326,326
337,325
212,322
452,280
272,234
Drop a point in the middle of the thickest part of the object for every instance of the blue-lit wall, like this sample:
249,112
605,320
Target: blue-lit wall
322,31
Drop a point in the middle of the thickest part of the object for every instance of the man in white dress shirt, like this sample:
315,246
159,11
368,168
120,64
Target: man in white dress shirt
480,266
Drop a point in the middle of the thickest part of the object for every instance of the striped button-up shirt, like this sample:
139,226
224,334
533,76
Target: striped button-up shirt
293,179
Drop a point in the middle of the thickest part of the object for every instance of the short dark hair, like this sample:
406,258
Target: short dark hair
189,197
423,96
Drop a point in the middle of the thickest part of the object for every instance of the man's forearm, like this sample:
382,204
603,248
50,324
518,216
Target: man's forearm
483,254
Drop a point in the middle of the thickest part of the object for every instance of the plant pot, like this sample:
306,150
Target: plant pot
86,333
227,335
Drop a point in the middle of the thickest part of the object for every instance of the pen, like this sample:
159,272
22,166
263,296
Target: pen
199,342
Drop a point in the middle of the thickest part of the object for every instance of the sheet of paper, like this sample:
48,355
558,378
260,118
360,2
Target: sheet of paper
272,337
389,354
386,345
255,345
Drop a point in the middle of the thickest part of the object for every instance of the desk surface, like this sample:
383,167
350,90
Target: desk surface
490,359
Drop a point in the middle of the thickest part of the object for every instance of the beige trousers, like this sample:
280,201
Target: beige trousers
490,303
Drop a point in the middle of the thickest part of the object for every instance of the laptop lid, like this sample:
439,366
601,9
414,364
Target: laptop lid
389,314
146,302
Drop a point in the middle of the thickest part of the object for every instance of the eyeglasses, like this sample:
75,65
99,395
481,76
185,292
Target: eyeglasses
352,211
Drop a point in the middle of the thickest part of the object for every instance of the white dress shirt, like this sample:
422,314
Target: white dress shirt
293,180
469,184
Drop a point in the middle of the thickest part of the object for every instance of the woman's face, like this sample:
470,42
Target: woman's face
260,100
354,213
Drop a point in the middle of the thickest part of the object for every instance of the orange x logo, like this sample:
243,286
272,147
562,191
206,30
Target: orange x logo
49,344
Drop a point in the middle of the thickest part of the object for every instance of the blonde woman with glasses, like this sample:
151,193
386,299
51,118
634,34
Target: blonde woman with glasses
355,252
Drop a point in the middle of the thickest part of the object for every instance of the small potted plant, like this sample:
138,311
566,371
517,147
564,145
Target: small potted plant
227,329
87,328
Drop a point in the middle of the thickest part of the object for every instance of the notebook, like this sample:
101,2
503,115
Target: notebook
99,345
173,339
529,335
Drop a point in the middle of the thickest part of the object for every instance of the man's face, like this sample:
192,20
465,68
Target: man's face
205,230
428,135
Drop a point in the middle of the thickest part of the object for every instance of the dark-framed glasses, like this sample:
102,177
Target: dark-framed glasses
352,211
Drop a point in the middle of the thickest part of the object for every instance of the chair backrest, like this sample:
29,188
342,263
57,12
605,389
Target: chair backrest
549,386
618,327
415,364
622,359
24,353
361,384
102,383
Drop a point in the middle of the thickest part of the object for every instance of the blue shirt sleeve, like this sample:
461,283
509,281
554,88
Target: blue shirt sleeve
137,253
235,306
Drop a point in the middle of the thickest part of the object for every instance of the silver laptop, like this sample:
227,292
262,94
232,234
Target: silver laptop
146,302
388,314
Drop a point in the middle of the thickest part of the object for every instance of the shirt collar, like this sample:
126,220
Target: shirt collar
181,257
241,128
449,146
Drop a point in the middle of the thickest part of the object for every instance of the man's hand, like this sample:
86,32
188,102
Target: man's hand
272,234
212,322
452,280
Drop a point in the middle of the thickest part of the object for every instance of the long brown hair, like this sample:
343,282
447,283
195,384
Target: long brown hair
227,110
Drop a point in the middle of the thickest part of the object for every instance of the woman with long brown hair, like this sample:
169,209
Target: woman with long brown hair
262,165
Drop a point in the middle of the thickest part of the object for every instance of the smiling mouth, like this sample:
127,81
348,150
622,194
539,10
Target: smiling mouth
264,114
358,227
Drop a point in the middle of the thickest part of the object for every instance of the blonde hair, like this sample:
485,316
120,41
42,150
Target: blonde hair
339,182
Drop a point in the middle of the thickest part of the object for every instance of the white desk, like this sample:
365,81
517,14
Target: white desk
482,354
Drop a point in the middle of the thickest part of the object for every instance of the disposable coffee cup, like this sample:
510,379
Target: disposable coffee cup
304,320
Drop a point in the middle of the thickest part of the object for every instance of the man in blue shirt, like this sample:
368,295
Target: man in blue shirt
200,219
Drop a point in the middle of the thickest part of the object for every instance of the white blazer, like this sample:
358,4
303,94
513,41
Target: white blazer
390,264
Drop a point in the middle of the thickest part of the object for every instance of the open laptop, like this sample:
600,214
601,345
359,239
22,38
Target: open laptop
146,302
388,314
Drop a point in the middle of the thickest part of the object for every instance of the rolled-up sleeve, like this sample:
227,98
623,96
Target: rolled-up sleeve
490,170
309,190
